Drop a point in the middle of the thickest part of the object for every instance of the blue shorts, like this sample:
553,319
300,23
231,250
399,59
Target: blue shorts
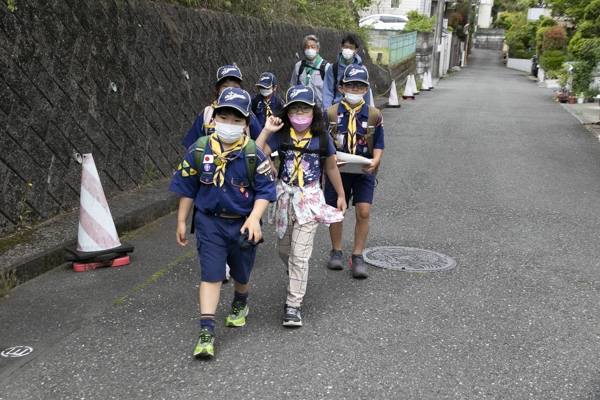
217,241
358,186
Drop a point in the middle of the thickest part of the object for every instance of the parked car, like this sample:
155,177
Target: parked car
384,21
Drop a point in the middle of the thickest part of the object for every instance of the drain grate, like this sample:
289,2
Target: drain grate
408,259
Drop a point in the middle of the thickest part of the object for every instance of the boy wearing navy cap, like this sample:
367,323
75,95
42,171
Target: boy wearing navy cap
357,129
229,201
266,103
204,125
306,151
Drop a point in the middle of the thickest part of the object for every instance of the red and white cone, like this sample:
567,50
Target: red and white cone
98,243
393,99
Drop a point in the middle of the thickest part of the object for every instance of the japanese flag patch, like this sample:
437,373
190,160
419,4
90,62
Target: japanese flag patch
209,159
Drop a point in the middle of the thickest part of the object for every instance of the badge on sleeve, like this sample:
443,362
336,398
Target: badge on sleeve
209,159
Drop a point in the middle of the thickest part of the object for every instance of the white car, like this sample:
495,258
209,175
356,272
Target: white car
384,21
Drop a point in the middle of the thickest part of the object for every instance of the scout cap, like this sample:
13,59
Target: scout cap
304,94
228,71
356,73
236,98
267,80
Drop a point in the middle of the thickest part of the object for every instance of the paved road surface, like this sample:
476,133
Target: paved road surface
486,169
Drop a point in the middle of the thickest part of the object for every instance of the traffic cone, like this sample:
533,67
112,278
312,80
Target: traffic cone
98,244
425,83
429,80
393,99
408,93
414,84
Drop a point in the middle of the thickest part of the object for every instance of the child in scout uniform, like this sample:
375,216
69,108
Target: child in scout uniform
266,103
360,132
306,151
229,198
227,76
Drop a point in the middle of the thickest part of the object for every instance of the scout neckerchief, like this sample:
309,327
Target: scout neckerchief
311,69
298,172
269,112
352,118
220,156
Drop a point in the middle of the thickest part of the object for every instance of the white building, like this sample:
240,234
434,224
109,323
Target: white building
397,7
484,17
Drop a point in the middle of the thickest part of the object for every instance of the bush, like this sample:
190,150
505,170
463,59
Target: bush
552,60
554,39
419,22
523,54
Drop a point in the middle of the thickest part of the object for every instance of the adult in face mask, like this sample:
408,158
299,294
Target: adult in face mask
312,69
216,184
266,103
204,125
347,56
354,135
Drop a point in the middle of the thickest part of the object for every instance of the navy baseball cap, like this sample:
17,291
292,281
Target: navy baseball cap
236,98
267,80
229,71
304,94
356,73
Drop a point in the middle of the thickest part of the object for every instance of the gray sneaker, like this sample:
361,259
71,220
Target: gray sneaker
358,266
292,316
335,260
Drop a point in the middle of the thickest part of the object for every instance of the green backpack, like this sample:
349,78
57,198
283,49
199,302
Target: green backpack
249,153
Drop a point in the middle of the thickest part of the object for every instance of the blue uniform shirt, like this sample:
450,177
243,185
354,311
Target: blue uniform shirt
235,196
310,161
260,110
197,129
361,131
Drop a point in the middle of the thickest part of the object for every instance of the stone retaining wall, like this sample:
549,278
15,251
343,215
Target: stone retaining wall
123,80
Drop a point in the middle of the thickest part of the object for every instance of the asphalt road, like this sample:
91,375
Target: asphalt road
485,168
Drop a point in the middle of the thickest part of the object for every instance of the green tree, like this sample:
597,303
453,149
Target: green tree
419,22
571,9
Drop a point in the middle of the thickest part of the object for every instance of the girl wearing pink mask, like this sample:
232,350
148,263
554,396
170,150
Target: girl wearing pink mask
306,152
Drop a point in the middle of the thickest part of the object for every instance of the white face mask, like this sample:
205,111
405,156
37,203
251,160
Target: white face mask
348,54
265,92
353,98
228,133
310,53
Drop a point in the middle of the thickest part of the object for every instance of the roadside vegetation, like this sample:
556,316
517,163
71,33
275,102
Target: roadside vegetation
569,51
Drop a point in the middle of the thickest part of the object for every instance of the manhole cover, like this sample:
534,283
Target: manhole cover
16,351
408,259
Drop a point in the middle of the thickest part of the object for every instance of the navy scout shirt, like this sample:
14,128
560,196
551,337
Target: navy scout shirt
361,131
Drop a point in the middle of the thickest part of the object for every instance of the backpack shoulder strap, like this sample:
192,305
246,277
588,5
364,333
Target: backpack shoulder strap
323,145
332,115
300,70
335,67
283,146
208,113
371,123
201,144
250,155
322,67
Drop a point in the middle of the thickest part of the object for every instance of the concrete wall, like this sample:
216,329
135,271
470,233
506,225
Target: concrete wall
424,54
489,39
58,60
519,64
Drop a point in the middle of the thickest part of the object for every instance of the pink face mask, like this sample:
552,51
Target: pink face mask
301,123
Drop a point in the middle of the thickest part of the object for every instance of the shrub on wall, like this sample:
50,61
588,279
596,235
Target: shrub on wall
552,60
419,22
554,39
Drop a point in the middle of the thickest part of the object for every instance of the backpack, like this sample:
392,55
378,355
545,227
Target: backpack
249,153
321,69
286,144
332,115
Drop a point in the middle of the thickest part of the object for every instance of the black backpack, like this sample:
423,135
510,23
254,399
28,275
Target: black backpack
303,65
286,144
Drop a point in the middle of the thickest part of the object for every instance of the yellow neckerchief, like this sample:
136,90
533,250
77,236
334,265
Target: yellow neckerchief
220,156
352,118
268,107
298,172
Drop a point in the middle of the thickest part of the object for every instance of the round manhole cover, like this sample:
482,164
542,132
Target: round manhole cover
408,259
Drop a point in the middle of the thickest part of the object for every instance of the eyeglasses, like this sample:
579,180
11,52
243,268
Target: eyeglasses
358,85
302,107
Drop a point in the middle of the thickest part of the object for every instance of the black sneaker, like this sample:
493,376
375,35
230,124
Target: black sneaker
335,260
358,266
292,316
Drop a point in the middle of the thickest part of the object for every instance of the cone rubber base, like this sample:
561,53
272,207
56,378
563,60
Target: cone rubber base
408,97
72,254
117,262
392,106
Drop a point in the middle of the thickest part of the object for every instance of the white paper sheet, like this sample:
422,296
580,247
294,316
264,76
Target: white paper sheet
354,163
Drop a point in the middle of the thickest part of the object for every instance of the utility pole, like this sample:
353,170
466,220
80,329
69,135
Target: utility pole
468,27
441,4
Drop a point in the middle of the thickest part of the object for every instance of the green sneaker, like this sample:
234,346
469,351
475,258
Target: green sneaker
206,344
237,315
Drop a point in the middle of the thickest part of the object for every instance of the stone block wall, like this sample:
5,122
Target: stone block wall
123,80
489,39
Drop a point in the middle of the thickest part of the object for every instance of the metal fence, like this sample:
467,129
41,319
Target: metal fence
402,46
